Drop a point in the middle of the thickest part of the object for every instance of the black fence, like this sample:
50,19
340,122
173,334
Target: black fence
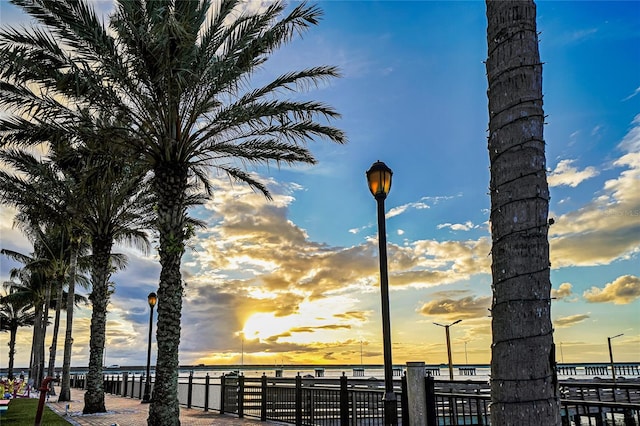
358,401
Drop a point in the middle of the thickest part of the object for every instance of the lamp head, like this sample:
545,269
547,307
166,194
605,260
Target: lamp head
379,180
152,298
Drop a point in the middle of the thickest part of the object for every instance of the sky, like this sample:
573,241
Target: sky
296,280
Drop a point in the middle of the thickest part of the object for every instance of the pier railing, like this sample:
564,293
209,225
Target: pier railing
358,401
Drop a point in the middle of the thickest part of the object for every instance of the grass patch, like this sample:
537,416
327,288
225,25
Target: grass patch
22,412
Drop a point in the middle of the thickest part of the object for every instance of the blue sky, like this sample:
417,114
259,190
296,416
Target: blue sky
297,278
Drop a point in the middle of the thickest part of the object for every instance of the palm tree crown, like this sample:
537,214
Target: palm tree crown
180,71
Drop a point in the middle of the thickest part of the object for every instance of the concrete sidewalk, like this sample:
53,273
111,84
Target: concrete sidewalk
123,411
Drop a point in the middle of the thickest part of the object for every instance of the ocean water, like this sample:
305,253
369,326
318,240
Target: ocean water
473,372
441,372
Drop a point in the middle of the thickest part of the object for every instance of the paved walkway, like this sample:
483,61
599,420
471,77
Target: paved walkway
123,411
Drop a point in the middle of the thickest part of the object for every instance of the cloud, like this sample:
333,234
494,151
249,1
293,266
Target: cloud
566,174
358,315
606,228
452,309
563,292
419,205
570,320
401,209
622,291
635,92
467,226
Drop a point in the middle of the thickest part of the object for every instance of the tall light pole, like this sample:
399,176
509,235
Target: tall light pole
379,181
446,327
613,368
152,298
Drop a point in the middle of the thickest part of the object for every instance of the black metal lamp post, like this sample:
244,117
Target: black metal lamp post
152,299
446,327
379,180
613,367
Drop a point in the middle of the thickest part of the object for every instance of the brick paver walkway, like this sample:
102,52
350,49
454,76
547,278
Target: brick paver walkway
123,411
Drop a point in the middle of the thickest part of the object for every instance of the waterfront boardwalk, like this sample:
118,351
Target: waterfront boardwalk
123,411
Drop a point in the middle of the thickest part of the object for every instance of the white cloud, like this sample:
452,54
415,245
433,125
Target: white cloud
419,205
563,292
622,291
606,228
635,92
566,174
467,226
401,209
570,320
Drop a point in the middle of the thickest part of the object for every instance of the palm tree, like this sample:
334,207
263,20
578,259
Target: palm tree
523,378
14,313
43,273
117,209
114,197
44,194
29,286
182,76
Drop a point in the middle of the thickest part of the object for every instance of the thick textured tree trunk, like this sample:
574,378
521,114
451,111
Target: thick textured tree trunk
65,387
56,329
45,322
94,396
523,380
37,344
12,352
170,186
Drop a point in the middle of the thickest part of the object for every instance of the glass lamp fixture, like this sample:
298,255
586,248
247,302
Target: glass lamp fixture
379,179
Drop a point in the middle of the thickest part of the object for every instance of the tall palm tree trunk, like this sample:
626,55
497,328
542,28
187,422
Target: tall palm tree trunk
170,185
523,380
94,396
45,323
12,352
65,388
37,345
56,330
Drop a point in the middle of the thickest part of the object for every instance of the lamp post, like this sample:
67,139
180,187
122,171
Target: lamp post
446,327
152,298
613,368
379,181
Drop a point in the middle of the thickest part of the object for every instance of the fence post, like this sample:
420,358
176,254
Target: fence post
142,381
133,383
222,392
263,399
344,401
125,382
404,400
432,418
298,400
190,389
416,394
240,396
480,412
206,392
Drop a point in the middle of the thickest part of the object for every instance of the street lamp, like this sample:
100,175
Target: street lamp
613,368
379,180
446,327
152,298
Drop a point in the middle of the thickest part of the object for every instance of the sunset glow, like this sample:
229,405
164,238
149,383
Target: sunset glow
296,279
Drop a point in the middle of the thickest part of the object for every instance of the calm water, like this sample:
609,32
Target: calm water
482,372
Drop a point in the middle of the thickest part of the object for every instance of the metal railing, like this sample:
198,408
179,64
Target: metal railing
358,401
